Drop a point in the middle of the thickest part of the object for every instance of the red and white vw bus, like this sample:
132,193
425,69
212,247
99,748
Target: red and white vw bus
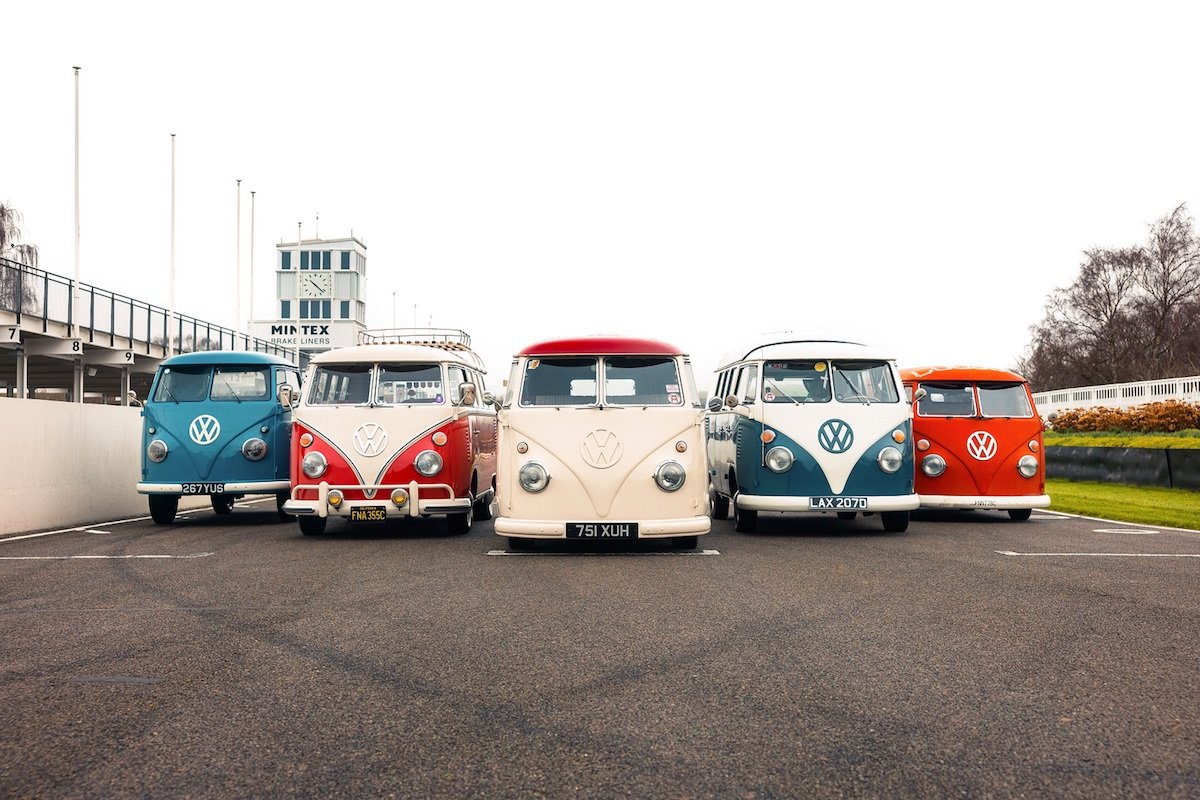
978,438
398,427
601,438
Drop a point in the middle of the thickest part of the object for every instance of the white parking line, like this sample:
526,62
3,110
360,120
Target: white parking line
68,558
1102,555
1124,532
626,553
1115,521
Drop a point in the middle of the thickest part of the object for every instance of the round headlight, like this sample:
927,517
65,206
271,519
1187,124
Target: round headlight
670,476
933,465
890,459
254,449
335,498
314,465
1027,466
399,497
157,451
533,477
428,463
780,459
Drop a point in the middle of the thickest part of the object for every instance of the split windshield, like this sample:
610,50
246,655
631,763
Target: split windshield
398,384
624,381
193,384
819,381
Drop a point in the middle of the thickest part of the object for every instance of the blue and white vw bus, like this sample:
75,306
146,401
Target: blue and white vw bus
214,425
810,426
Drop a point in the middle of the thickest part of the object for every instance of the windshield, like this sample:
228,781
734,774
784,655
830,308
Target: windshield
340,384
1004,400
235,384
642,381
559,382
410,384
183,384
947,400
864,382
795,382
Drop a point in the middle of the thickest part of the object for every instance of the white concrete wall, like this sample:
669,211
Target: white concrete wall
68,464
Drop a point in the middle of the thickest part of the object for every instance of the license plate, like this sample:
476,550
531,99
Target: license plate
204,488
837,503
602,530
368,514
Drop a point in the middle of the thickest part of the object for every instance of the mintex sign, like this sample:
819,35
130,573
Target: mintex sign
306,334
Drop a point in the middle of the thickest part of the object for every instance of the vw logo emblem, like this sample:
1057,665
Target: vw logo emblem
981,445
370,439
835,436
204,429
601,449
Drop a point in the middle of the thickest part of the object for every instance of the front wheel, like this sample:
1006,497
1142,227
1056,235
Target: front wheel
163,508
1019,514
520,543
312,526
720,506
895,521
280,499
222,503
460,524
483,508
744,520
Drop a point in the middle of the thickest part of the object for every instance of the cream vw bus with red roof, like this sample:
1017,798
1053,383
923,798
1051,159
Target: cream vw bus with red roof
397,427
601,439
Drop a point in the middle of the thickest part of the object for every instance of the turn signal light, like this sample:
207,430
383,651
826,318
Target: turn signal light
306,439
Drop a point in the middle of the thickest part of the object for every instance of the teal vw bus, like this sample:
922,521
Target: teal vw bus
810,426
214,425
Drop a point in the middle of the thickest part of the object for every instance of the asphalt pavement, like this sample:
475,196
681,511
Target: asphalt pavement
230,656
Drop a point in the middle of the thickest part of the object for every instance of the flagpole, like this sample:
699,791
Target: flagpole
171,310
75,315
237,279
250,315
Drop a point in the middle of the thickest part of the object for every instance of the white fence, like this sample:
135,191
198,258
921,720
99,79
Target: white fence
1119,395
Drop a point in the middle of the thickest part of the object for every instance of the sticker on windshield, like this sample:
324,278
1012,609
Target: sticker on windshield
534,362
819,366
672,387
769,397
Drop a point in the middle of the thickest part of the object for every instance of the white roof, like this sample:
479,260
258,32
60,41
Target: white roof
789,348
398,353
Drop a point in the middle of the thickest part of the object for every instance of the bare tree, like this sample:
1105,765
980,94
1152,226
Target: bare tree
1170,281
18,291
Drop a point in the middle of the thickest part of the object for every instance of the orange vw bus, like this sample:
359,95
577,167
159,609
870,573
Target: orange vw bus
979,440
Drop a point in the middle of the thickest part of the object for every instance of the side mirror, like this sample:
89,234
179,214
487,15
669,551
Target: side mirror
466,394
490,399
715,404
287,396
731,401
920,394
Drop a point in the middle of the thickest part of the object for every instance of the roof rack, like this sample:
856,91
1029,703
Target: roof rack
451,339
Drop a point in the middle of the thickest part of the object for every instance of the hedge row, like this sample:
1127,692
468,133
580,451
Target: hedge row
1167,416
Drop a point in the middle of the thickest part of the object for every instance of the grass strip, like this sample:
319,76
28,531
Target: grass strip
1184,440
1144,505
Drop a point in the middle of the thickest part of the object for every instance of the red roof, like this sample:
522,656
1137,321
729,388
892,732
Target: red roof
965,374
600,346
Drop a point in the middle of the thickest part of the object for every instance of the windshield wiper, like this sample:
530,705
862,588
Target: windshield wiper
232,393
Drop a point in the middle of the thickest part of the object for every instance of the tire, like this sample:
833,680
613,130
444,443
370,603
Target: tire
280,499
685,542
312,526
460,524
1019,514
720,506
222,503
520,543
895,521
745,521
847,514
163,508
483,508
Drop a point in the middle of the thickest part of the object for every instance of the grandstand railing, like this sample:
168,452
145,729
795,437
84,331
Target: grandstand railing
1119,395
108,318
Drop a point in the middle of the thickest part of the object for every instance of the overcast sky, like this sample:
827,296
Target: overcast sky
919,176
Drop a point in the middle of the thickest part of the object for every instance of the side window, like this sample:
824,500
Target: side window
731,385
458,377
722,381
480,388
748,390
